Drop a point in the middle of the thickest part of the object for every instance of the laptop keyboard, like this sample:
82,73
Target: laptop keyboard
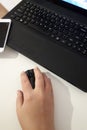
62,30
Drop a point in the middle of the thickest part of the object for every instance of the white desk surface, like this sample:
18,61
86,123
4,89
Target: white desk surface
70,102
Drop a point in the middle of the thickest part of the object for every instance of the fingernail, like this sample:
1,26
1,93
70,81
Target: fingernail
36,68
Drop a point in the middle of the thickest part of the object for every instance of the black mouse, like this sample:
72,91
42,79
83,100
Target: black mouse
31,77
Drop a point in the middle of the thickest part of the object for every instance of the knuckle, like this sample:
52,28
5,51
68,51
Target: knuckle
17,109
28,97
42,97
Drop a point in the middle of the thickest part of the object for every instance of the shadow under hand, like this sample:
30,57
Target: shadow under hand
8,53
63,105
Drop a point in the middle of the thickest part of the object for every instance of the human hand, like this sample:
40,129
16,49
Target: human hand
35,107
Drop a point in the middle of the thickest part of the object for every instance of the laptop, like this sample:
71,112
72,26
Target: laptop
53,33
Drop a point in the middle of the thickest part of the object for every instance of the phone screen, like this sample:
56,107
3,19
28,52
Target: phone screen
3,32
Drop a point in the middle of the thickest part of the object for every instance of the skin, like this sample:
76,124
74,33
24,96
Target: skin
35,107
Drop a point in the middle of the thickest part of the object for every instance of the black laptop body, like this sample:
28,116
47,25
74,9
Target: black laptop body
42,49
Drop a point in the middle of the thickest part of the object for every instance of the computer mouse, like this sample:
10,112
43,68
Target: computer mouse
31,77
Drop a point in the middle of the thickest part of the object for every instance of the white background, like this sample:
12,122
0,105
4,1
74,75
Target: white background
70,102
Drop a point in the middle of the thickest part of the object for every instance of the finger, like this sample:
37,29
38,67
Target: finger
19,100
39,80
26,85
48,84
48,88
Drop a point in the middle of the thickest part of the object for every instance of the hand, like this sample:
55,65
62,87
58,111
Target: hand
35,107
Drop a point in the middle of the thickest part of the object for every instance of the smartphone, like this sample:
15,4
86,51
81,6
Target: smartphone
4,31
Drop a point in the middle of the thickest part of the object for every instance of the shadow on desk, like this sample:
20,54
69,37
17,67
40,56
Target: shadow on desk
9,53
63,105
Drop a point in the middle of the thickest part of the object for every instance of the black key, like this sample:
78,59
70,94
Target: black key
84,52
63,41
57,38
21,20
17,14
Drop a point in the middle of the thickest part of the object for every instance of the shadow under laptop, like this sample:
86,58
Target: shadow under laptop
8,53
63,105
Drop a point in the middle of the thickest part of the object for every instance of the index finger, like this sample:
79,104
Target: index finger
39,80
26,85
